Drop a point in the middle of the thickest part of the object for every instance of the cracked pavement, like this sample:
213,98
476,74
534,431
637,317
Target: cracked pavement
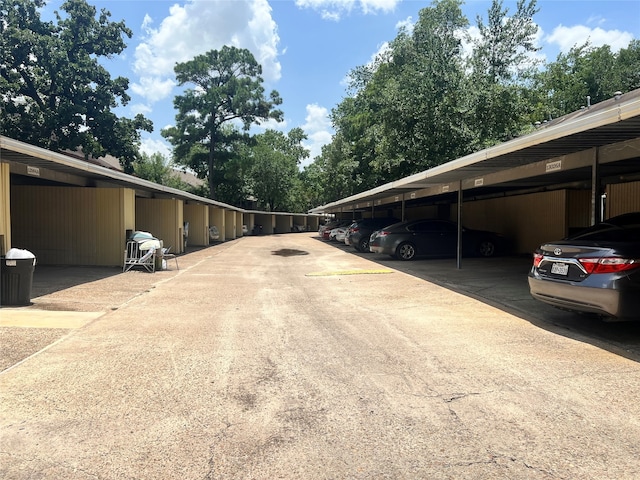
241,365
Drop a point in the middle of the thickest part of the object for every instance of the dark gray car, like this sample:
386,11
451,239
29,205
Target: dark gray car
596,271
360,231
434,238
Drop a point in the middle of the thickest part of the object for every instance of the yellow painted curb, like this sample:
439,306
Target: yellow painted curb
348,272
45,318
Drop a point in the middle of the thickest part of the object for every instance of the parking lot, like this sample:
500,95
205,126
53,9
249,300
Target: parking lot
284,356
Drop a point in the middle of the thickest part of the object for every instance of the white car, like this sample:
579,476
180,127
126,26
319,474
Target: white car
338,234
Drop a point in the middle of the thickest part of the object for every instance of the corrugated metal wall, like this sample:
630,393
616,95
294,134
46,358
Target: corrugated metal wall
527,220
198,218
623,198
264,219
239,223
283,223
217,219
230,225
129,202
70,225
533,219
163,218
417,213
578,209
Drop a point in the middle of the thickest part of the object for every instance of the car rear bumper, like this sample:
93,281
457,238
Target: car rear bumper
375,248
602,301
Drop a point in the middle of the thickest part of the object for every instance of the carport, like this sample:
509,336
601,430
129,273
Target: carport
69,211
567,174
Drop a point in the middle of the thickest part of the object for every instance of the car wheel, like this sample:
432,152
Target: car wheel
363,246
405,251
487,248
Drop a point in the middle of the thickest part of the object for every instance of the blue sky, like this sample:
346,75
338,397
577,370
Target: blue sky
308,47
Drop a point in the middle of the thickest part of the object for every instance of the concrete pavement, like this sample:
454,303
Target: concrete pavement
64,298
282,357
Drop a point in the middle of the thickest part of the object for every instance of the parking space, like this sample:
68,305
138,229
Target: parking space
502,282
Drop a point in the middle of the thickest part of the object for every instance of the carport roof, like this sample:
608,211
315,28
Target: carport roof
612,121
32,157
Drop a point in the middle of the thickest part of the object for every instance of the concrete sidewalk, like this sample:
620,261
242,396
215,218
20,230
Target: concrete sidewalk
65,298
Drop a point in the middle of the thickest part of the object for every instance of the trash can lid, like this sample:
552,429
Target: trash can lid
18,253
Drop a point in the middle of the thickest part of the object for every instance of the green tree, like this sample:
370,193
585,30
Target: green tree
274,168
233,166
505,42
156,168
501,68
586,71
55,92
227,88
417,97
311,187
628,68
230,166
424,102
357,121
332,173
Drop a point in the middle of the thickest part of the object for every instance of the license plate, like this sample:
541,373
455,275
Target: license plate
560,268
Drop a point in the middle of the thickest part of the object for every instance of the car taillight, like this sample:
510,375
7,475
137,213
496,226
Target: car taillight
354,229
383,233
608,264
537,258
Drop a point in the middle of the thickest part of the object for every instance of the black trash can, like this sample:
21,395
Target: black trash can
16,280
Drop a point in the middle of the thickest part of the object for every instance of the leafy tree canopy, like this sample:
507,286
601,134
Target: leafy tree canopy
427,100
274,168
227,88
586,71
156,168
55,92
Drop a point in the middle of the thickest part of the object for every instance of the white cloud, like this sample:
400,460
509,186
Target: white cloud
153,88
328,15
568,37
330,9
141,108
407,24
198,27
318,128
468,38
269,124
334,9
596,19
374,6
151,146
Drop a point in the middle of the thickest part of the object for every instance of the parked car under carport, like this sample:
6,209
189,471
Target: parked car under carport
360,231
595,271
434,238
